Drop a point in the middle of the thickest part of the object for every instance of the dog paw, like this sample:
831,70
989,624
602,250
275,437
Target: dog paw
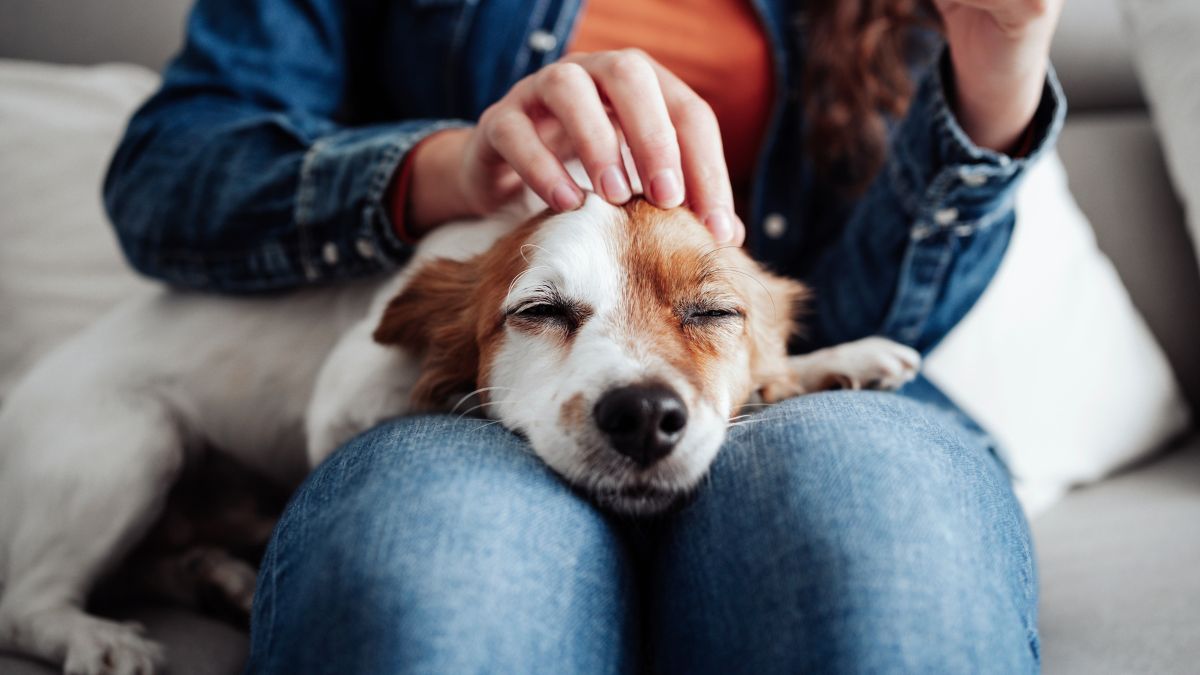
100,647
869,363
231,578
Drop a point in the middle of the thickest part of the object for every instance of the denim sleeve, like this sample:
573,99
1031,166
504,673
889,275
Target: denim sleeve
925,239
242,173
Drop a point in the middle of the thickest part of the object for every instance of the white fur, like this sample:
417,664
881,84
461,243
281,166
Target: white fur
363,383
94,437
577,254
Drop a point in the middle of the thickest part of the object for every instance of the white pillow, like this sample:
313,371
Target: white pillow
1164,35
59,263
1054,360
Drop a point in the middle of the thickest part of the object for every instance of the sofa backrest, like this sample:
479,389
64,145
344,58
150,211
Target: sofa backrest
1120,180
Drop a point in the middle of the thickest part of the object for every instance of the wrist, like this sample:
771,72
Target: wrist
434,194
995,106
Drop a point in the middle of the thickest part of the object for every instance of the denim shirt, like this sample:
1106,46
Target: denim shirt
263,161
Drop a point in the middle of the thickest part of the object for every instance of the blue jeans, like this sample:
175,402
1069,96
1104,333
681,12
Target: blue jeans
839,532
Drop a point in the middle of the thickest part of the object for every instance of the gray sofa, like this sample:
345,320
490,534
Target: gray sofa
1119,561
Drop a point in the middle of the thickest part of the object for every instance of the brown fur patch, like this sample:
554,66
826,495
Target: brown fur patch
450,315
673,264
574,414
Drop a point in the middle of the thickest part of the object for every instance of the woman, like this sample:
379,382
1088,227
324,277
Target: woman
871,146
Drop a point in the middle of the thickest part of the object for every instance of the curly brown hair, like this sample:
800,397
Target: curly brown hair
857,74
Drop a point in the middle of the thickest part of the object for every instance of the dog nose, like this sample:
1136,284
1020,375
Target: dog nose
642,422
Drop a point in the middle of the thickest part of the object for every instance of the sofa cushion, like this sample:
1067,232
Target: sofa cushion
1119,573
59,263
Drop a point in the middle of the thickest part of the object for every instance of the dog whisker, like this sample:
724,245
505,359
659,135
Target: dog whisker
473,408
757,420
477,391
486,424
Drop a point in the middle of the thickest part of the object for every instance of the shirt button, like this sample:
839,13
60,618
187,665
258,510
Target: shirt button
945,216
330,253
774,225
365,248
973,179
542,41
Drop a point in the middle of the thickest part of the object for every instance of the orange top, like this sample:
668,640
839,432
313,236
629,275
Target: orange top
717,47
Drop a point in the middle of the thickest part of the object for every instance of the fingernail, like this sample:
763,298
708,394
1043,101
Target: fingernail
565,198
665,189
612,183
719,223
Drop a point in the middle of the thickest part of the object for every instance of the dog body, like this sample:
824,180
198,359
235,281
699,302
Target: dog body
619,341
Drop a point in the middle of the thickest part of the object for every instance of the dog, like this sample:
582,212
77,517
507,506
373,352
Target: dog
619,340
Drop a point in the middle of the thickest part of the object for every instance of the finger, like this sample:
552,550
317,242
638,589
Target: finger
569,94
633,90
553,136
705,174
511,137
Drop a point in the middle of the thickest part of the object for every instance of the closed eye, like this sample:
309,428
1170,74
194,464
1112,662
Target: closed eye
548,312
714,314
541,310
706,315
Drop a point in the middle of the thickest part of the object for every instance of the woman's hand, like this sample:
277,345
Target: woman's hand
1000,50
585,106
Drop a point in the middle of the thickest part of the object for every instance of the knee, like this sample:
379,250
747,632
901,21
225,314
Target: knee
419,495
882,487
434,522
870,525
856,475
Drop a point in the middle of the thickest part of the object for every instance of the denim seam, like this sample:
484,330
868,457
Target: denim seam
288,522
384,168
564,25
305,199
521,61
914,302
269,638
780,74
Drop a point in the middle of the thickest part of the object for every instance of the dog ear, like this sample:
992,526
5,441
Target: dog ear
435,318
774,302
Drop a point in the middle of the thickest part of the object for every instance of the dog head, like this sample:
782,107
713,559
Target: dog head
618,340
